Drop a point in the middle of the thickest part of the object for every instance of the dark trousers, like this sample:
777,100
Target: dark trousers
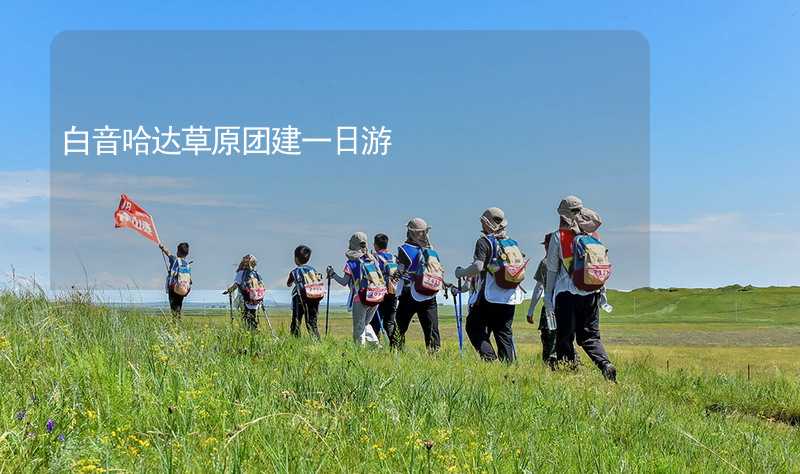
548,337
578,319
309,309
486,319
175,303
428,315
386,317
250,318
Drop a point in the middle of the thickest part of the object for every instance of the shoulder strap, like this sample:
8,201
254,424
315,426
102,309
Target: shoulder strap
176,265
405,249
493,244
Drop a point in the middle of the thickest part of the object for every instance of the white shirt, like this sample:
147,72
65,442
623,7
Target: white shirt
554,262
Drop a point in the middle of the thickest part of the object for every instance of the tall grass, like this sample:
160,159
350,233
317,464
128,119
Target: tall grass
126,391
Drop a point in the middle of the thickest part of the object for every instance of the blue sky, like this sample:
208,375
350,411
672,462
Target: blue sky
724,108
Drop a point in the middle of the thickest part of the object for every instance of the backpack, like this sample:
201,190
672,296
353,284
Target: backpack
591,267
309,283
180,277
429,275
507,263
388,266
252,288
369,281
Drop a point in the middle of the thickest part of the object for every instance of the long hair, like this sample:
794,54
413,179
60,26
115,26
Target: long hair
248,263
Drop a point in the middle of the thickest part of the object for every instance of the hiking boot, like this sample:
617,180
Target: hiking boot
610,373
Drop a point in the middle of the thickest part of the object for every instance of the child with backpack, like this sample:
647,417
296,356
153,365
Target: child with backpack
499,266
251,290
367,287
387,310
577,270
308,289
423,277
179,277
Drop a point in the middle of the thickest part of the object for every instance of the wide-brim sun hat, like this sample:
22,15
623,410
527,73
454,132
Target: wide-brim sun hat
494,218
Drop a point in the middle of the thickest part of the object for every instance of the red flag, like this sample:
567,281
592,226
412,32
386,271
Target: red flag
131,215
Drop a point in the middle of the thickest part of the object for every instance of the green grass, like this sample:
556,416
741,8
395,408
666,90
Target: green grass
134,392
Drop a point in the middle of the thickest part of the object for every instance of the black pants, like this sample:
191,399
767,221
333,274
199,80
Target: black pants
548,337
578,319
386,317
250,318
304,308
485,319
175,303
428,314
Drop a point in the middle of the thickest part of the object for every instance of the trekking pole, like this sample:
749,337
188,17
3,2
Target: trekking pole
269,323
328,304
457,303
230,306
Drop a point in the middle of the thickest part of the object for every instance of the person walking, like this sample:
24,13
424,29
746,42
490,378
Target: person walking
423,278
385,317
499,267
356,276
576,310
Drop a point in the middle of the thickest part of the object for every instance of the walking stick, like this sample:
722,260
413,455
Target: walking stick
328,304
230,306
269,323
457,303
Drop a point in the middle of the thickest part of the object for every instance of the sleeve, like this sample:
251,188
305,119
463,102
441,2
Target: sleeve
553,257
483,251
238,278
480,258
553,262
541,272
346,279
538,290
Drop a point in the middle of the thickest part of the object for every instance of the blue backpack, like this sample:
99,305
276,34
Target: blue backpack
426,269
309,283
388,265
180,277
369,282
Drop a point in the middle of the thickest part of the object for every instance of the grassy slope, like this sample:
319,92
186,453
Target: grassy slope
138,393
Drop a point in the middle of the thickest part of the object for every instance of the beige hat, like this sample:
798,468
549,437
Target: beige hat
571,203
357,247
418,224
567,209
494,220
588,220
417,232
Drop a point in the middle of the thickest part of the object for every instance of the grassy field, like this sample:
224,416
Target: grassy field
94,389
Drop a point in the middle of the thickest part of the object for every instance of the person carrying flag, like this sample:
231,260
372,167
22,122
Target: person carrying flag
179,279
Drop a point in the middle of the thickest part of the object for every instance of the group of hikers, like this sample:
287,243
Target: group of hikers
387,290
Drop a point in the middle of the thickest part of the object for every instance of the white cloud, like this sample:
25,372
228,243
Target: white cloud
102,189
18,187
703,224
